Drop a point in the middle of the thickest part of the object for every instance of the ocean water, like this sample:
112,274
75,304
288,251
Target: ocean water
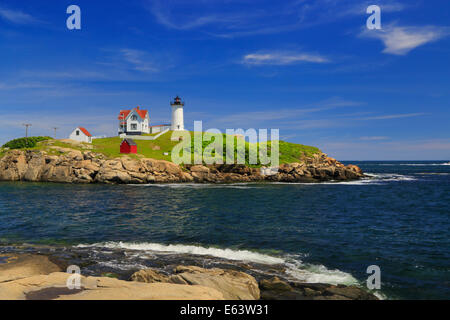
330,232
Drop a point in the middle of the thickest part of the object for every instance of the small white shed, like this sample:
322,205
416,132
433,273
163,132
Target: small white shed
81,134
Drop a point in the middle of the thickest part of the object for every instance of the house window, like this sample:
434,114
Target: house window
134,126
134,117
78,133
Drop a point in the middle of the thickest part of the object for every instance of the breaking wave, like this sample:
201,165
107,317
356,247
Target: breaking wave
295,268
229,254
371,179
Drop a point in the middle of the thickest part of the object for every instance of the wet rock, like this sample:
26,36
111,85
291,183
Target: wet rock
276,289
275,284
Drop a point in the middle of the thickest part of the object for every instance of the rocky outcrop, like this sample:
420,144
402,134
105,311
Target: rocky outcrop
53,287
26,265
234,285
38,277
276,289
88,167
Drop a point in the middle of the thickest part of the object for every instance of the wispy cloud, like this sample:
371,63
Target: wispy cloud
400,40
16,16
318,12
138,59
22,85
234,18
374,138
359,7
172,15
393,116
283,117
281,58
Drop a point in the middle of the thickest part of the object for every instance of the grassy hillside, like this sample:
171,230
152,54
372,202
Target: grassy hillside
289,152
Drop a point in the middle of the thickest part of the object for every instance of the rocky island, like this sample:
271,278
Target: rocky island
75,166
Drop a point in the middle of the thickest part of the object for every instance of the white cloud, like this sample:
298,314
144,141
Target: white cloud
373,138
282,117
393,116
138,60
401,40
281,58
16,16
237,18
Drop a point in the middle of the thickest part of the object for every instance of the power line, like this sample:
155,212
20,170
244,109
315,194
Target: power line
26,132
55,128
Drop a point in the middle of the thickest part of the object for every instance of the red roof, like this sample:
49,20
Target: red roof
85,131
123,114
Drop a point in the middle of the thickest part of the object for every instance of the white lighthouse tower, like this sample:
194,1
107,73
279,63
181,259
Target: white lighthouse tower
177,114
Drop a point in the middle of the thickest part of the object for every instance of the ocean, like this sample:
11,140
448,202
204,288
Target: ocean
398,219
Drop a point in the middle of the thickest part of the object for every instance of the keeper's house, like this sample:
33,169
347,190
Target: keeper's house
134,122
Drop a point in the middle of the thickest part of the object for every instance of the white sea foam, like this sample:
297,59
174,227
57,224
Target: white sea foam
121,265
373,179
294,266
379,295
385,177
229,254
318,274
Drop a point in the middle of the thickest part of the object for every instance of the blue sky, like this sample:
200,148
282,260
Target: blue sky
308,67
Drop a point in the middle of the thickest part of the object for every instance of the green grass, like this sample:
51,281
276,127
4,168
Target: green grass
110,147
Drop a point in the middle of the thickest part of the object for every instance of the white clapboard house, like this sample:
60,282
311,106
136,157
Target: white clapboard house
81,134
134,122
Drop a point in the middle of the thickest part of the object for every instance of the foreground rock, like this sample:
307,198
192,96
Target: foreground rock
234,285
37,277
26,265
74,166
53,287
276,289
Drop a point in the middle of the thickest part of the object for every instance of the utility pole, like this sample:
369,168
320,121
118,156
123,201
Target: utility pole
26,131
55,128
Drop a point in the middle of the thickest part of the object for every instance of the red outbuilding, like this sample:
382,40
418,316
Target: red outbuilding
128,146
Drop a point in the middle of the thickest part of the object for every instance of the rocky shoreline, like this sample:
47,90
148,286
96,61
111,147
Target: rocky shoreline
73,166
42,277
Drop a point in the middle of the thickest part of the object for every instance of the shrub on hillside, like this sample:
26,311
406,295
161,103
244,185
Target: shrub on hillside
29,142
